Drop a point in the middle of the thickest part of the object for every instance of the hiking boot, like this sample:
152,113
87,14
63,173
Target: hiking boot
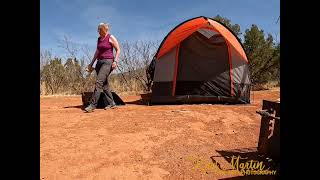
90,108
113,105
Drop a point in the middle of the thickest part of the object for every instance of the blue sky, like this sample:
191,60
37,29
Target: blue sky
142,19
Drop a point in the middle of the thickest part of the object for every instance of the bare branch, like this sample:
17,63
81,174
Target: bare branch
86,51
68,46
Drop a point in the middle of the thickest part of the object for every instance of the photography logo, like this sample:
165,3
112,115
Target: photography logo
239,164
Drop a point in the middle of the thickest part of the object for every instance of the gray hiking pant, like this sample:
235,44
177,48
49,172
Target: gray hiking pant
103,69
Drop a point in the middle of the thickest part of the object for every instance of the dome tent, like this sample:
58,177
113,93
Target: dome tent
200,61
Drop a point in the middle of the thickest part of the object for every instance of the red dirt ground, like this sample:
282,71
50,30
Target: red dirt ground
143,142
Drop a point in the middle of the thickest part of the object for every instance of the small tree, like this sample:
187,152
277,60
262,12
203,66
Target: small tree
73,76
234,27
263,55
135,58
53,75
77,80
45,57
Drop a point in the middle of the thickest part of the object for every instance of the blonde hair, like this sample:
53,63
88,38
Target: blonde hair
104,27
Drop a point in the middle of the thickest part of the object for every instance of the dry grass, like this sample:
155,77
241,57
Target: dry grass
266,86
129,87
134,87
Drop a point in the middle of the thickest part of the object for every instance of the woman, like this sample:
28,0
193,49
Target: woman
106,63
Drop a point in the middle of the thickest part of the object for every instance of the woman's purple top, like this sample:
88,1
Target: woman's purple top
105,48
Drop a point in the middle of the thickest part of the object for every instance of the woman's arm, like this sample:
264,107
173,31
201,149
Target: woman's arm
94,58
115,44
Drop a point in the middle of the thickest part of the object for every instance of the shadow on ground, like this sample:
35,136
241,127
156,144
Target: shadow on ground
136,102
79,107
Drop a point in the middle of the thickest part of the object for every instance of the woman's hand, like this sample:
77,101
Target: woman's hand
114,64
89,68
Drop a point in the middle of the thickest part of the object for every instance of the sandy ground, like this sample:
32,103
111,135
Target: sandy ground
144,142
